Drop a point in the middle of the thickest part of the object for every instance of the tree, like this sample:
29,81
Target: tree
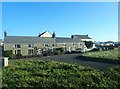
88,44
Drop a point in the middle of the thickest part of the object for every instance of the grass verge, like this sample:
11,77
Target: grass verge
105,55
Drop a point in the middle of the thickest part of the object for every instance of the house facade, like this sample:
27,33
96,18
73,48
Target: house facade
1,48
82,37
86,39
26,45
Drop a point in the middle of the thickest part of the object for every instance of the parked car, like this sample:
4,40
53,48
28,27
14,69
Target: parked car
97,48
80,50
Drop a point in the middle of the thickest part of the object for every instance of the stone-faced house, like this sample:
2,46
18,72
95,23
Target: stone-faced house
86,39
82,37
1,48
25,45
69,44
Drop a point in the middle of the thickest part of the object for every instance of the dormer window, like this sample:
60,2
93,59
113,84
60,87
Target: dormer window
46,45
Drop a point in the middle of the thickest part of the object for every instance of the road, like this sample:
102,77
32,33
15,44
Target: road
75,58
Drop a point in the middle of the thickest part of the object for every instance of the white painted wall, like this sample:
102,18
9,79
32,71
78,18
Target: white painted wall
86,39
46,34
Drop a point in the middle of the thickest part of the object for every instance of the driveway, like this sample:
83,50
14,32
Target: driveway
75,58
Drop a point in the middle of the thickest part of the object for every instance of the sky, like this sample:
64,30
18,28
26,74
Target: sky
97,19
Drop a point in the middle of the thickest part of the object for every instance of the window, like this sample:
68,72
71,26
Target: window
64,44
17,51
30,45
81,44
46,45
17,45
30,51
54,45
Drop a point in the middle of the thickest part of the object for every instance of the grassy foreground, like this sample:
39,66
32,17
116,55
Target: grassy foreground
107,55
50,74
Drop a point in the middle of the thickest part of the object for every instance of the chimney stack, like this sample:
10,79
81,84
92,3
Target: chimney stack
73,36
5,34
53,35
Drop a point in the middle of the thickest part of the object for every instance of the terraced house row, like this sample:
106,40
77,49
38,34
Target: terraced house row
26,45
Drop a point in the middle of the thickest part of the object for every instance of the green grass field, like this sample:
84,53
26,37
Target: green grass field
57,75
108,55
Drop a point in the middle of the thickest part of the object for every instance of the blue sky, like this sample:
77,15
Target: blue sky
97,19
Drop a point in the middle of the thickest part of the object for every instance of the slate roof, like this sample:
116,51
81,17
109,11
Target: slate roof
66,40
82,36
108,42
41,34
28,39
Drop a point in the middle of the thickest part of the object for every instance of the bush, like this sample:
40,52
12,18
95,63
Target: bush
14,56
58,51
8,53
57,75
18,55
88,44
35,50
44,53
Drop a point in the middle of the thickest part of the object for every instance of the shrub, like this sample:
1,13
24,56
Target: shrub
18,55
8,53
88,44
59,51
57,75
44,53
14,56
35,50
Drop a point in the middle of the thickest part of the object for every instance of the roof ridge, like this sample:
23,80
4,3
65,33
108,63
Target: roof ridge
63,37
21,36
80,35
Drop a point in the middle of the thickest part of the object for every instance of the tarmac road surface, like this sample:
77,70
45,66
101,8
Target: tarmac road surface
75,58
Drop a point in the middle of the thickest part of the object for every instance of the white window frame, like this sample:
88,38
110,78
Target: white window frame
46,45
16,45
31,53
31,45
64,44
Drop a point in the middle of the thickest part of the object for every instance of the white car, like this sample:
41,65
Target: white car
81,50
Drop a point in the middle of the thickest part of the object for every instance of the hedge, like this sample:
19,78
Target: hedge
8,53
